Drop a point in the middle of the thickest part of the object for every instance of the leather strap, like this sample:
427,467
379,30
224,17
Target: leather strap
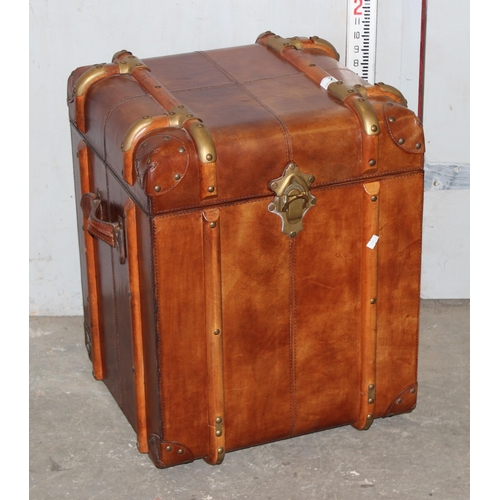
109,232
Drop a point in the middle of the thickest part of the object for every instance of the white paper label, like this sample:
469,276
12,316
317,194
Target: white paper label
326,81
373,241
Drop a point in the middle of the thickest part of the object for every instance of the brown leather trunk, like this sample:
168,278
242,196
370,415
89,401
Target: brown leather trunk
250,238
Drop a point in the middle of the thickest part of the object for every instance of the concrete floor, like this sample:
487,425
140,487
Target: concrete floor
82,448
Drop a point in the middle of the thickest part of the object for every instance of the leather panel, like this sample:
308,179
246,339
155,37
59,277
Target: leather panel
256,325
399,287
328,289
182,353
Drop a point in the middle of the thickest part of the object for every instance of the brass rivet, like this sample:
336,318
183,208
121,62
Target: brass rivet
218,420
418,145
401,141
340,82
369,416
392,119
312,179
171,112
181,150
390,104
177,177
212,224
372,301
361,100
218,433
181,106
371,387
98,65
372,163
200,125
350,91
399,401
157,189
220,451
157,86
312,64
271,207
180,452
211,189
293,234
370,401
145,117
313,201
292,166
168,448
166,137
189,116
144,144
216,332
209,157
373,198
274,185
374,128
412,391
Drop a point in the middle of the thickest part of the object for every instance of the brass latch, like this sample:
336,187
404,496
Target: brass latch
293,198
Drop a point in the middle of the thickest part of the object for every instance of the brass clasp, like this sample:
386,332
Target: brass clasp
293,198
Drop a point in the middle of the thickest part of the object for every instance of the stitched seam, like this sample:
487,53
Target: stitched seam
221,85
282,124
293,327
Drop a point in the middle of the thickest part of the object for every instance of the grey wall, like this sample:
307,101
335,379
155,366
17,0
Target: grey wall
65,34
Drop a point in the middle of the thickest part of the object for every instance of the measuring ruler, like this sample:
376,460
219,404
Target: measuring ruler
361,37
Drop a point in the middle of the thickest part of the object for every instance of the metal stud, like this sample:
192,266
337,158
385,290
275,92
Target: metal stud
168,448
218,420
144,144
392,119
180,452
372,163
211,189
412,390
418,145
312,179
373,301
220,450
369,416
293,234
374,128
274,185
216,332
374,198
181,149
213,224
401,141
157,189
177,177
399,401
209,157
370,401
361,100
218,433
371,387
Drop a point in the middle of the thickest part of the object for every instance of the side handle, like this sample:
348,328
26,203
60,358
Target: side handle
109,232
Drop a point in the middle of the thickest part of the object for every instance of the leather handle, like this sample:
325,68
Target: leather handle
109,232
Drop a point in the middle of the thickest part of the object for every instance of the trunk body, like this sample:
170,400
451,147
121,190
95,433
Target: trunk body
218,312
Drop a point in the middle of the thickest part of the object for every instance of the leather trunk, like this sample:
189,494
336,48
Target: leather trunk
250,238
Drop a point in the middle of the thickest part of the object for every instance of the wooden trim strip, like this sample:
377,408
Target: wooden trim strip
369,273
136,310
90,256
213,308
